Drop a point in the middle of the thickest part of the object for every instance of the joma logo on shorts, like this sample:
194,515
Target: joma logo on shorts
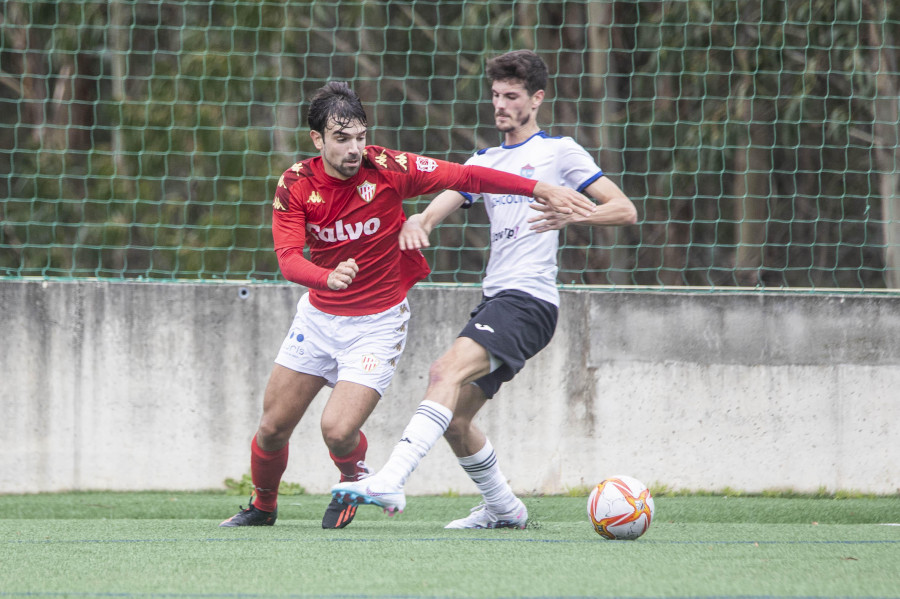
343,232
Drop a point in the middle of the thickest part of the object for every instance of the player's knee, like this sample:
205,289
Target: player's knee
442,372
340,439
272,434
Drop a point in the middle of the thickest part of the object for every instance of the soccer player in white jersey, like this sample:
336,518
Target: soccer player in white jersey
518,314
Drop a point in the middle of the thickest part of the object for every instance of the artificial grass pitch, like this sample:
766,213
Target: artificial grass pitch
170,545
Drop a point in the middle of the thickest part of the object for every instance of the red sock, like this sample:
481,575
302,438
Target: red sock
266,468
347,463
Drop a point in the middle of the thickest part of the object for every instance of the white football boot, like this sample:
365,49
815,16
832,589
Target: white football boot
482,517
371,490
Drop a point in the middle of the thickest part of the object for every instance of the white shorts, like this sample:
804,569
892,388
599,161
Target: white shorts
358,349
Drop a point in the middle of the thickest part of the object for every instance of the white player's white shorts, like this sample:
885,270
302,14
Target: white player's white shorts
358,349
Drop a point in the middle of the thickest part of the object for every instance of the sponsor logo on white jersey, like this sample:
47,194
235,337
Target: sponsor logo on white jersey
506,233
344,231
425,164
509,199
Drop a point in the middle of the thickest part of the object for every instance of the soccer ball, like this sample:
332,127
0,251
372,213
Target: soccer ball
620,508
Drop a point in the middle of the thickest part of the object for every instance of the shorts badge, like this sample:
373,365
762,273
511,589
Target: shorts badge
369,363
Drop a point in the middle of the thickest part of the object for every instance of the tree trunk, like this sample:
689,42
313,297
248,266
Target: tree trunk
751,169
118,21
33,65
608,134
887,158
887,141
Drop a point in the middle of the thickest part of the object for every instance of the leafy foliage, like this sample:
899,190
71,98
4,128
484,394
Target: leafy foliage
759,140
245,487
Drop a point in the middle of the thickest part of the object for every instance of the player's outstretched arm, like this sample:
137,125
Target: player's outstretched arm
415,231
563,200
614,208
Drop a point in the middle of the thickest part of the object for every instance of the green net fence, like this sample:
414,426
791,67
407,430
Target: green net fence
759,140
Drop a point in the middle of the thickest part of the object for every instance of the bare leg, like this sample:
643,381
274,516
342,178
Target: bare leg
347,410
464,362
288,395
464,437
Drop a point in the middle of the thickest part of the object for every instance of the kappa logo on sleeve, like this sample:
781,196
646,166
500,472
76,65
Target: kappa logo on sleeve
281,202
425,164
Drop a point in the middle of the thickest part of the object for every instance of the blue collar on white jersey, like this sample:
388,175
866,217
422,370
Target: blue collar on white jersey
506,147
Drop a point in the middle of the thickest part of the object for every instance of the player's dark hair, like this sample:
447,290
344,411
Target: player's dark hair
524,65
335,101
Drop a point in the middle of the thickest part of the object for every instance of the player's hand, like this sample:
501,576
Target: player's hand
550,220
413,235
562,199
342,275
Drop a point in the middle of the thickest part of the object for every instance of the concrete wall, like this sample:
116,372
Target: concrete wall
129,386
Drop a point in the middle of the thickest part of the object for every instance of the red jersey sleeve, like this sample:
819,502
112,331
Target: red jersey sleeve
288,216
289,235
297,269
481,179
426,175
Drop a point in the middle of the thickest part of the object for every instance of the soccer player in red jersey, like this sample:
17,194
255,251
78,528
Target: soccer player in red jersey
350,328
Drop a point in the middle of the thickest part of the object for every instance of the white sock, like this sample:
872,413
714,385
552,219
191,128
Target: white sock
484,471
424,429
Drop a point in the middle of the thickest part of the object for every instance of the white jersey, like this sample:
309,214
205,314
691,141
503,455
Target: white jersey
520,258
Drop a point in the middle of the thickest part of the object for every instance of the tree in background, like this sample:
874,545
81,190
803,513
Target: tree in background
759,140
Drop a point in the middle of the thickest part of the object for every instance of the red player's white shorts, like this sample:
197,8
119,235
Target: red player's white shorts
358,349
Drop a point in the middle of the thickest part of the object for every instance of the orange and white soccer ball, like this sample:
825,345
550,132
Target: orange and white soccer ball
620,508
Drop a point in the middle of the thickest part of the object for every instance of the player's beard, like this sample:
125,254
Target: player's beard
513,123
344,169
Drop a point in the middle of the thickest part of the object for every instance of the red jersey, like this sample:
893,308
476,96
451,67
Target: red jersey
360,218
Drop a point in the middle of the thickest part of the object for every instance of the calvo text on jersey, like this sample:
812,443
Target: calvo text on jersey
343,231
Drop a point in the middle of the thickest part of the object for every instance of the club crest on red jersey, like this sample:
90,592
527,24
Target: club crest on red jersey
425,164
366,191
